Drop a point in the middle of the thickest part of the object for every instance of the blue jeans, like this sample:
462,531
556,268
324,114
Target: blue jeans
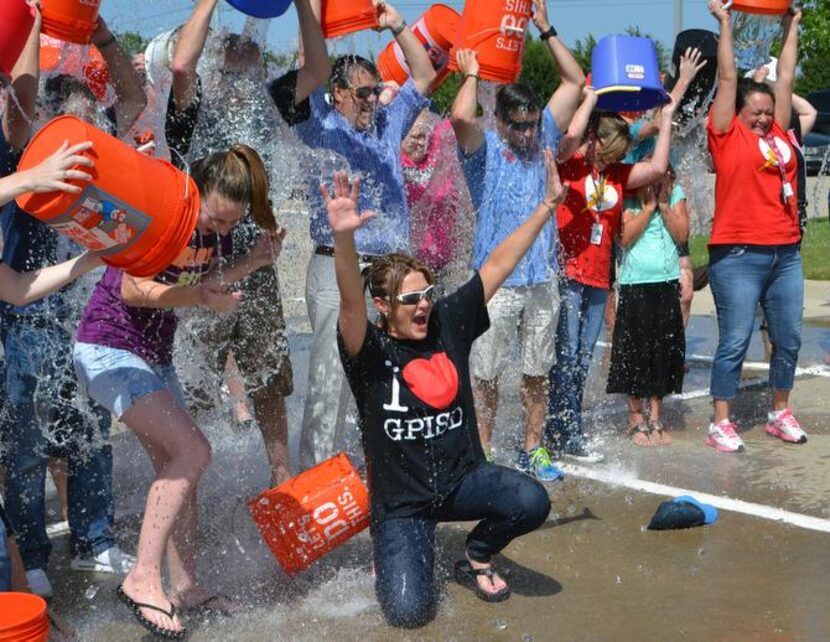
581,312
508,502
43,421
741,277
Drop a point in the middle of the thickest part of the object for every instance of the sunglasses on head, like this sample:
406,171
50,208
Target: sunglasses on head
363,93
414,297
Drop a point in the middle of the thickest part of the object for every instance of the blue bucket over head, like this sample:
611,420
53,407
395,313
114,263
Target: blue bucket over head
261,8
626,75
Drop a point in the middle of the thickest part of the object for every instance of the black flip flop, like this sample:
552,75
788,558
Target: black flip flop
147,624
207,607
468,576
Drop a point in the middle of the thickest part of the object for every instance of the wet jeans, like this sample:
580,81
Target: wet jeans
581,313
43,421
508,502
741,277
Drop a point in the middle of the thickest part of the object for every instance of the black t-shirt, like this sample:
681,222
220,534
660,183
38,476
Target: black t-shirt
415,406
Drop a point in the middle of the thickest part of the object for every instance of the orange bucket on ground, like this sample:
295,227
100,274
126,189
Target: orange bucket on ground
436,29
497,34
309,515
14,32
340,17
769,7
23,618
70,20
137,212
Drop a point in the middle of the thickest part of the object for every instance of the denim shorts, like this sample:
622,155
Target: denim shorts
116,378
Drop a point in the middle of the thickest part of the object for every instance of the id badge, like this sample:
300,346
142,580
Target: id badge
596,234
787,191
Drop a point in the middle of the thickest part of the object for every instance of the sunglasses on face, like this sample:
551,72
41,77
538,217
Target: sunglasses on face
522,125
414,297
363,93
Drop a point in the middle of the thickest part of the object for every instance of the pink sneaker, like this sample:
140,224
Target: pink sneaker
786,427
723,438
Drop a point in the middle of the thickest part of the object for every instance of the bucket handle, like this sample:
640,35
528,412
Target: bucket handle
727,5
186,169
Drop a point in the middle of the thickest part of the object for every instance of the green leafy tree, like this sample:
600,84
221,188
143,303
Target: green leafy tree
132,42
814,47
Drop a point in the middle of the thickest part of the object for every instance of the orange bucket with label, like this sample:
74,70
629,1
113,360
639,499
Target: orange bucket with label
70,20
340,17
14,32
309,515
436,30
766,7
496,34
23,618
137,212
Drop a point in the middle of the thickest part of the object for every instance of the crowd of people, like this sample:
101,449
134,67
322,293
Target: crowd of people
568,204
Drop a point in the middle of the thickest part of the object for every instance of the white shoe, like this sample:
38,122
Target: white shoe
39,583
112,560
724,438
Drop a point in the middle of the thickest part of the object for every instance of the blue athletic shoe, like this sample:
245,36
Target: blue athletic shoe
538,463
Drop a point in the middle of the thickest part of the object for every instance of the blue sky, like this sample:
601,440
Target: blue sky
573,19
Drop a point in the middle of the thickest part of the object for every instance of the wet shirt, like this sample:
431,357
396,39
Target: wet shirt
147,332
374,154
748,204
506,188
589,219
415,406
652,258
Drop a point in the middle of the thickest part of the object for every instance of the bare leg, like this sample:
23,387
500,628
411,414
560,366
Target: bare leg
637,429
273,421
780,400
486,395
722,407
659,433
535,404
60,474
236,387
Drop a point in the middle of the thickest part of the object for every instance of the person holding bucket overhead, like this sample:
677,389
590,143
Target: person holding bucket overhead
410,375
256,335
123,357
589,222
45,414
754,250
505,172
368,138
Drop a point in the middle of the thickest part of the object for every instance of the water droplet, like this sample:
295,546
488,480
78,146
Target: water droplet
91,592
619,580
499,625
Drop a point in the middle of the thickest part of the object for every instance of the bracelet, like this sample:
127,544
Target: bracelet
549,206
549,33
397,32
476,76
106,43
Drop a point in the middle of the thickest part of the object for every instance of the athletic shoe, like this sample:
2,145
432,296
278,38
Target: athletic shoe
538,463
723,437
583,454
786,427
39,583
112,560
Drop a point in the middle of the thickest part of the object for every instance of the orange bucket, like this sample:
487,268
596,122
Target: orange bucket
768,7
14,32
316,511
137,212
70,20
436,29
496,34
23,618
340,17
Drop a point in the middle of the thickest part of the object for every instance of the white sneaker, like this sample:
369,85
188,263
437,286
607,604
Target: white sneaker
786,427
723,437
112,560
39,583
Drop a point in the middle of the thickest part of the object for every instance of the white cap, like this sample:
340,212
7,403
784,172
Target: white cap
771,65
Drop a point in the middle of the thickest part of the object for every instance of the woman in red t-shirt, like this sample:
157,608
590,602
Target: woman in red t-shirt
589,220
754,254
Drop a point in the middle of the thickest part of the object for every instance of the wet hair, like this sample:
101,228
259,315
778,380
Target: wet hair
240,47
239,175
516,97
384,278
60,88
747,87
614,131
345,66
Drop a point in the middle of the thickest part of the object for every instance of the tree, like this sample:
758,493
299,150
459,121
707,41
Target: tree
133,43
814,47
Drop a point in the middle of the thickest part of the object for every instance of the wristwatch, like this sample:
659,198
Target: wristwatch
549,33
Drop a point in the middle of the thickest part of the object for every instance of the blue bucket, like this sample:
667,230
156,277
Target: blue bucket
626,75
261,8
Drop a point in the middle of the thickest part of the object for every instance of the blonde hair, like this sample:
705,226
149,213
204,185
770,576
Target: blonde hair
615,135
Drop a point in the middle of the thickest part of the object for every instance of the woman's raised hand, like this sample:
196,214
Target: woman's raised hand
51,174
555,192
717,10
690,63
342,205
467,61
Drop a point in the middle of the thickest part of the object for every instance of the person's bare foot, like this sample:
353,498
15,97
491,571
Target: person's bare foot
153,594
491,584
641,435
200,600
659,433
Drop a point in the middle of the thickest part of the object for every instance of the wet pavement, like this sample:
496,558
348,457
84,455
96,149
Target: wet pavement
592,572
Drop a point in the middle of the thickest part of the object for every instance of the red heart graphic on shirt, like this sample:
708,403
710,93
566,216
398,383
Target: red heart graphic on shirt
434,381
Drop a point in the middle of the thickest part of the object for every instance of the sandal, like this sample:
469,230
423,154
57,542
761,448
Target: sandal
468,576
640,435
661,435
153,628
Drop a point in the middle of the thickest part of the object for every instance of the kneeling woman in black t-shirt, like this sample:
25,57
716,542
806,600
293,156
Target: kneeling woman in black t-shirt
410,376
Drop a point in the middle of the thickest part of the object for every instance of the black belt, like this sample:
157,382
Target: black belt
325,250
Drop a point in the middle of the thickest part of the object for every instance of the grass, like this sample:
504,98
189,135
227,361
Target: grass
814,251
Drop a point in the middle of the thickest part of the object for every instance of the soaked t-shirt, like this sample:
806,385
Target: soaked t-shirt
415,406
147,332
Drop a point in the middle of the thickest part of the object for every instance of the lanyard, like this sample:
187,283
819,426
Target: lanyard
779,161
599,191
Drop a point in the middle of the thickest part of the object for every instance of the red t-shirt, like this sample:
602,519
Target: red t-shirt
583,261
748,183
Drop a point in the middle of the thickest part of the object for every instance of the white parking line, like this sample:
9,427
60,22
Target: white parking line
724,503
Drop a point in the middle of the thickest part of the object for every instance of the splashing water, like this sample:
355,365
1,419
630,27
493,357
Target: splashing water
753,38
